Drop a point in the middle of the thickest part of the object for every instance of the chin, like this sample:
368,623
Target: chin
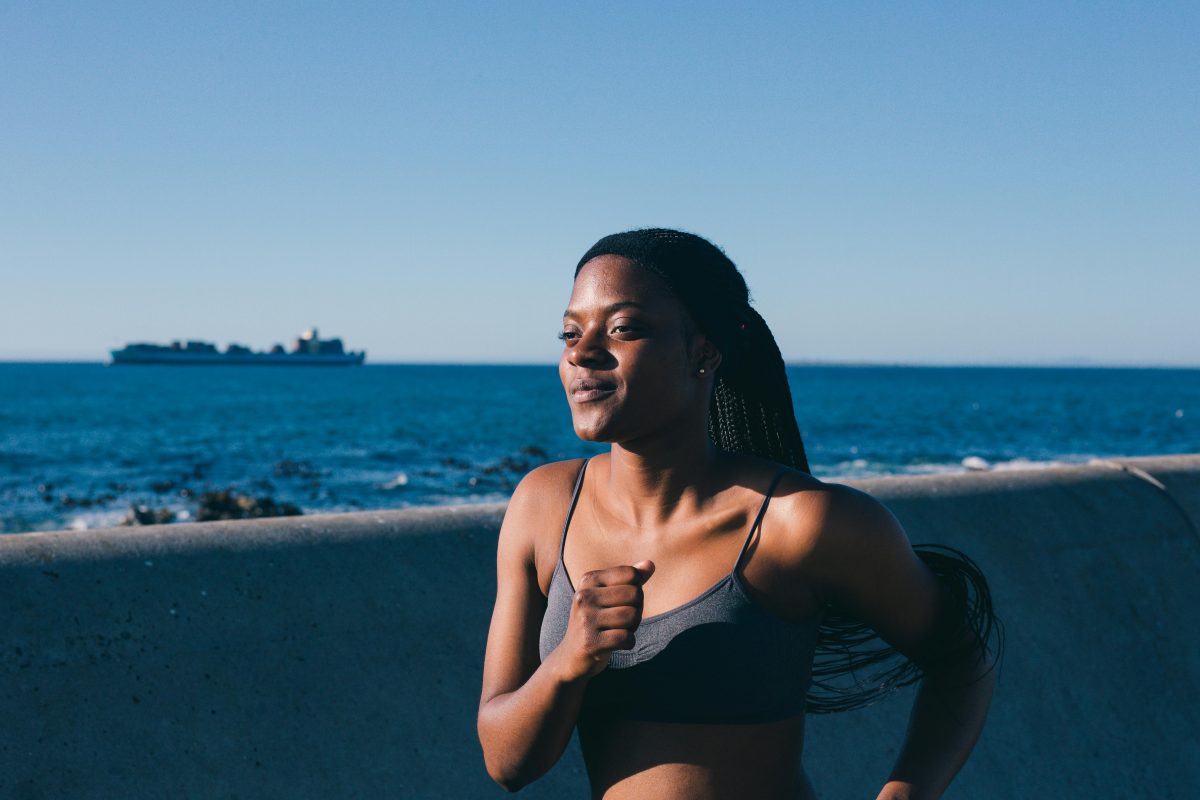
591,433
592,427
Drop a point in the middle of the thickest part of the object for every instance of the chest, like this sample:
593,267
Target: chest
719,657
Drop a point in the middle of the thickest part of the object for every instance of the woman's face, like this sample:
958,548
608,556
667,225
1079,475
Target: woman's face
628,349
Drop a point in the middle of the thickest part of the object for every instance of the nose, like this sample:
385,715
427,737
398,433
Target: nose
590,351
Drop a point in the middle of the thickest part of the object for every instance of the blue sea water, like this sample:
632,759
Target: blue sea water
81,443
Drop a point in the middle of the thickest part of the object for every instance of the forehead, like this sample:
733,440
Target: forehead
608,280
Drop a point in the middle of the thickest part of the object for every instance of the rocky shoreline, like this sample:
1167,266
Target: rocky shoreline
188,496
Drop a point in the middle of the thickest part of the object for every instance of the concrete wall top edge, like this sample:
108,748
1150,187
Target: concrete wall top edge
983,481
232,535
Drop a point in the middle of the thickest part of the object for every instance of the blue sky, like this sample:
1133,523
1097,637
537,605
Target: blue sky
925,183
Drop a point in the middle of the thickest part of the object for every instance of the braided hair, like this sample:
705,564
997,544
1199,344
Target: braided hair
752,413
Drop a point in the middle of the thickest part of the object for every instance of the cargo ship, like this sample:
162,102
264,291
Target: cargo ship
308,350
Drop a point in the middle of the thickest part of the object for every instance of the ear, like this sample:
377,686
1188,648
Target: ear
705,356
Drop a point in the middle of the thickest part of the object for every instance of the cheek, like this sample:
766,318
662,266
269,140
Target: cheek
659,367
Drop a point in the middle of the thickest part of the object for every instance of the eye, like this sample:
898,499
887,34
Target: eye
568,336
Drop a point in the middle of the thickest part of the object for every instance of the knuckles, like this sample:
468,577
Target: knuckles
611,596
582,597
610,575
628,595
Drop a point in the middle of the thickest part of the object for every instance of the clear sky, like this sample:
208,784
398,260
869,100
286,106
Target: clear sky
926,183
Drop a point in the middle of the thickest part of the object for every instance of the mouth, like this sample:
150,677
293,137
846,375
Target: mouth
587,390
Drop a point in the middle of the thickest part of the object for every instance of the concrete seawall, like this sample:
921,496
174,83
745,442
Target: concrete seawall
339,656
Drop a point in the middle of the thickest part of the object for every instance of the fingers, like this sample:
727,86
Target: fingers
615,639
635,574
620,617
625,594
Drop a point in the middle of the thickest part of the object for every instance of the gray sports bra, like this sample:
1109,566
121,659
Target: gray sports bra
718,658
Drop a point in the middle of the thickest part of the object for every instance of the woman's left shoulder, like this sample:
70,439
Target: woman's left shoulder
819,521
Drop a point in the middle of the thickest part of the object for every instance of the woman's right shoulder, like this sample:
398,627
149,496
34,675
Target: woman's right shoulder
547,487
537,510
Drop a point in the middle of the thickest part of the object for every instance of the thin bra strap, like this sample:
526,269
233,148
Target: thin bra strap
758,520
562,544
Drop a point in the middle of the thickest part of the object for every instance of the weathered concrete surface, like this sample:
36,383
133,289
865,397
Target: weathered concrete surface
339,656
1096,574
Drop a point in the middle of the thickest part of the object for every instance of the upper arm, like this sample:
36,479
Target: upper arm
512,645
860,559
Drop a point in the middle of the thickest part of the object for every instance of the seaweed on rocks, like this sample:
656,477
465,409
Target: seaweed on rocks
144,515
231,504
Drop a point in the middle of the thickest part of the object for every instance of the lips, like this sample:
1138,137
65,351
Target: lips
584,390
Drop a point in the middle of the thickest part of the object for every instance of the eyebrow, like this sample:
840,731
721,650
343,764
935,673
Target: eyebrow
609,309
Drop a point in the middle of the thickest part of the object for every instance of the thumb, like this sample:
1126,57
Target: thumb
644,568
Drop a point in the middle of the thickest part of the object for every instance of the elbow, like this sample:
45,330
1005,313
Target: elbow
509,783
507,776
508,773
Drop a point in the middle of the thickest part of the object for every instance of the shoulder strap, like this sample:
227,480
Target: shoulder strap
562,544
758,519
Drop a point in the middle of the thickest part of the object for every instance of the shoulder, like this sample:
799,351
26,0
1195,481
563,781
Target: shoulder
856,556
819,510
535,515
832,532
546,489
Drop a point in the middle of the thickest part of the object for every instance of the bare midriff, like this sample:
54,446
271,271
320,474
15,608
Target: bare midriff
628,759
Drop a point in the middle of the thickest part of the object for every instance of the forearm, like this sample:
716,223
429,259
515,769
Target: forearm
947,717
524,732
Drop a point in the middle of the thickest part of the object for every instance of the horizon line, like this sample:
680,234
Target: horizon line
1072,363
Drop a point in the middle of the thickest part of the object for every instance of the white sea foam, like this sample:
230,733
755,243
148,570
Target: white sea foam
95,519
396,482
1025,463
861,468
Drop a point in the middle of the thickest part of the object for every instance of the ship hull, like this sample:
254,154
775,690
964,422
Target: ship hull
125,357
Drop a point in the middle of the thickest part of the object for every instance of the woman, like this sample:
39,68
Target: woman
668,597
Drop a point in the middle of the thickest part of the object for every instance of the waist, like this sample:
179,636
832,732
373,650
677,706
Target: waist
635,759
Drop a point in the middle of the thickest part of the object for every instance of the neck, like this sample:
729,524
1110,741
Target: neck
648,481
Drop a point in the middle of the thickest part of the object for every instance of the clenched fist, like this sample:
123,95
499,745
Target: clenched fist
605,611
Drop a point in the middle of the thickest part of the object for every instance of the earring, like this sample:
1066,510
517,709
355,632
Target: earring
702,370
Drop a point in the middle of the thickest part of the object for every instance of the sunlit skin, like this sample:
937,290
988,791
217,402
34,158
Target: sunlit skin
660,518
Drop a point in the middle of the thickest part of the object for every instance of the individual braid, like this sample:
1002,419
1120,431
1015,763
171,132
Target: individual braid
752,409
752,413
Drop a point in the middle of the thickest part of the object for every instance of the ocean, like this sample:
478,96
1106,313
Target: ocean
80,444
